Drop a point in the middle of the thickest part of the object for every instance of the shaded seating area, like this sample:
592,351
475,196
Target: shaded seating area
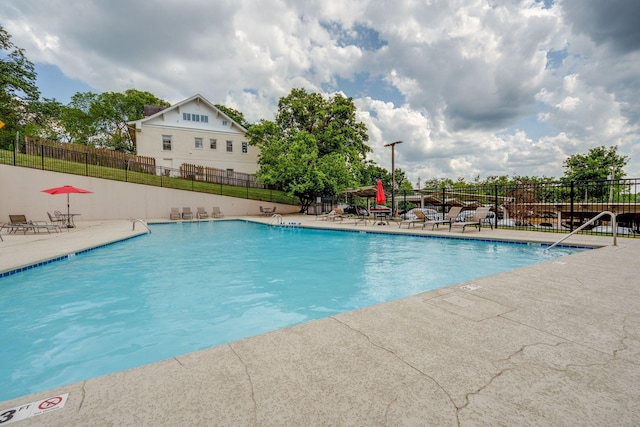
201,213
476,220
449,218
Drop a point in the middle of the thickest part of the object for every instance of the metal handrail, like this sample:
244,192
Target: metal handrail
613,225
141,222
277,218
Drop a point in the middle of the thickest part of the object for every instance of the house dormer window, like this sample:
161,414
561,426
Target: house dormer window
195,117
225,123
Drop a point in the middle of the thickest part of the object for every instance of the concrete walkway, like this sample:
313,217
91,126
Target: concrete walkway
554,344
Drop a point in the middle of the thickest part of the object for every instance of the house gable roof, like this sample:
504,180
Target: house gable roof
137,124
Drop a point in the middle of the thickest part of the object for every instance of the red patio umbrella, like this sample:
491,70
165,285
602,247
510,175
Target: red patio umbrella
380,197
66,189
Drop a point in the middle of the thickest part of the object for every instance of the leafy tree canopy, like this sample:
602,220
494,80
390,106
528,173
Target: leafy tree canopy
17,86
112,110
598,164
235,115
315,146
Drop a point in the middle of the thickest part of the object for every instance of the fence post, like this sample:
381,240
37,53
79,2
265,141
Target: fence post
495,204
571,196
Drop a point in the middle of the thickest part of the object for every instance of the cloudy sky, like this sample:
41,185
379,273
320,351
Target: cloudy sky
471,87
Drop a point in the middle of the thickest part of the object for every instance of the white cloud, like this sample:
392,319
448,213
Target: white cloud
478,88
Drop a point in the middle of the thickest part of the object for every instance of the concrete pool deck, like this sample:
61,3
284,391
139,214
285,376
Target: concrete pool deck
556,343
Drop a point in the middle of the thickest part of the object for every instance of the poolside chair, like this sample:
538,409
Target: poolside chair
216,213
57,219
338,215
449,218
267,211
202,214
175,214
325,216
476,220
21,223
420,218
186,213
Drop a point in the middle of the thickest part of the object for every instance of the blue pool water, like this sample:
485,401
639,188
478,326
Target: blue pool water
191,286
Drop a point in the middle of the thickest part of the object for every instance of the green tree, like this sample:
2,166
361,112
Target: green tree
112,110
17,88
598,164
45,121
235,115
78,123
315,147
370,173
592,170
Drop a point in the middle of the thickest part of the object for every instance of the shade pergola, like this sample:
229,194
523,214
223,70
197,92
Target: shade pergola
367,192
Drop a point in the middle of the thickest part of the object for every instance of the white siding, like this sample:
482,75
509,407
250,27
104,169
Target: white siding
183,134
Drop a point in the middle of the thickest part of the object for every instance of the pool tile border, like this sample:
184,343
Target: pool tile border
427,236
62,257
430,236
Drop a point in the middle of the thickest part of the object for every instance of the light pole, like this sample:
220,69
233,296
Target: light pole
393,175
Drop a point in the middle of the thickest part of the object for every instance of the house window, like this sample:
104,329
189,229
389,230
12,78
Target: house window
198,142
230,173
186,116
195,117
166,142
213,144
229,146
204,119
225,123
245,148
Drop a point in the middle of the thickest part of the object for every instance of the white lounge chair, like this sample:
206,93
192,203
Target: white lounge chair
476,220
216,213
449,218
201,213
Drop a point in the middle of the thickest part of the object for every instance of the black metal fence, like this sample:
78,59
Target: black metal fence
555,206
222,182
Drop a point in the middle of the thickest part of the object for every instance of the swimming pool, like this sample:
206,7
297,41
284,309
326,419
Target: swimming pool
190,286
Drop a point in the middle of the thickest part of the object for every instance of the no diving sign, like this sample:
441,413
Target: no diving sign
27,410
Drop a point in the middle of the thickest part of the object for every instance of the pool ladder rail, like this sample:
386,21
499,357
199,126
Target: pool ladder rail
591,221
276,219
144,224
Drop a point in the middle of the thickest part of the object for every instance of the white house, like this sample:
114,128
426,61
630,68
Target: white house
194,132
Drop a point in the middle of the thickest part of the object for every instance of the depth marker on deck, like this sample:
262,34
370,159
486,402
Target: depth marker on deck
32,409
